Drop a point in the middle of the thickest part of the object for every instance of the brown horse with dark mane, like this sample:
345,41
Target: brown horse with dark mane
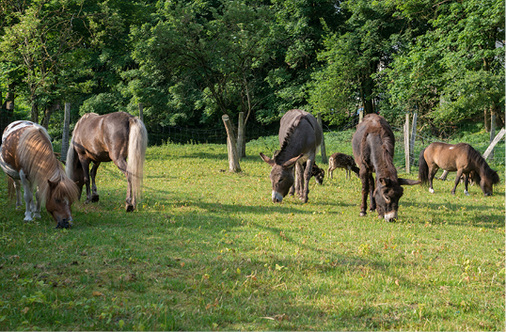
463,159
27,157
373,149
299,137
104,138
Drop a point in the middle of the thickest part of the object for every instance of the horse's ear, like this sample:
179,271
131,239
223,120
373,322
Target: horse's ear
408,182
289,163
267,159
52,184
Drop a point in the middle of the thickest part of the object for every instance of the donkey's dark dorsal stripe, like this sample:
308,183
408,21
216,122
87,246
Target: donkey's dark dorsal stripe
118,137
461,158
373,149
299,137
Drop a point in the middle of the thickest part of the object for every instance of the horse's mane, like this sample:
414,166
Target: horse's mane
39,163
483,165
288,137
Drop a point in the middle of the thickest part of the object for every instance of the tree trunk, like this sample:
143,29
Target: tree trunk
233,160
486,119
323,151
241,141
34,114
65,136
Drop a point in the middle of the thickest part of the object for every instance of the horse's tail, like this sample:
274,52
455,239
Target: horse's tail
11,190
137,144
423,169
71,160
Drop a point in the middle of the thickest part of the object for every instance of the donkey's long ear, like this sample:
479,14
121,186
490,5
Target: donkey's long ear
408,182
267,159
291,162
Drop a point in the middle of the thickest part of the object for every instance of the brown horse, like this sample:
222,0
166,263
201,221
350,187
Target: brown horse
299,137
463,159
341,160
103,138
373,149
27,157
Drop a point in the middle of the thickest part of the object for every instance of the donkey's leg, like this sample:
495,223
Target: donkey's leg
28,195
457,180
292,188
299,177
372,207
93,173
306,178
364,177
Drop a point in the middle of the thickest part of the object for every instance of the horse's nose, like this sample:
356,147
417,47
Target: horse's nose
488,194
64,223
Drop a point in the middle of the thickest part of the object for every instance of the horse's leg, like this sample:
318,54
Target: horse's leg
93,173
457,180
364,177
28,195
121,163
466,182
432,172
371,193
17,187
85,163
36,207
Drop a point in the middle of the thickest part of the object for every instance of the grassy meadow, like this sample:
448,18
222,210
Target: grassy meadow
208,250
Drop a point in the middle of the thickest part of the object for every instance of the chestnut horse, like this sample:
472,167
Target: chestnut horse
463,159
299,137
104,138
27,157
373,149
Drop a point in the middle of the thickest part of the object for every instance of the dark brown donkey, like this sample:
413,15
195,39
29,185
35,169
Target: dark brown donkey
341,160
373,148
299,137
118,137
462,158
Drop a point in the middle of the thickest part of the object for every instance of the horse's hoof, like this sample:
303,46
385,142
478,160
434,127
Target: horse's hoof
363,214
129,207
95,198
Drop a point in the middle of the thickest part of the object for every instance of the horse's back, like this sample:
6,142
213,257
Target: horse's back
97,136
449,157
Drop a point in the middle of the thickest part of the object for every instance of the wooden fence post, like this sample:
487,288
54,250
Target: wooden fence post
65,136
406,144
492,131
496,140
233,160
413,136
141,111
323,151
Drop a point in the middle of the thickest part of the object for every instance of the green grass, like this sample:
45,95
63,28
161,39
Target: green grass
208,250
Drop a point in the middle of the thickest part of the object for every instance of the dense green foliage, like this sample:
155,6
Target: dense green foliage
189,62
208,250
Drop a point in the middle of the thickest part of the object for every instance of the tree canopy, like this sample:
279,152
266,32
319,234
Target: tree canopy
189,62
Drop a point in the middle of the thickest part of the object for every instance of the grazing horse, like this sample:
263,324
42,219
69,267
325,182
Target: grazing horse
462,158
299,137
27,157
373,149
103,138
341,160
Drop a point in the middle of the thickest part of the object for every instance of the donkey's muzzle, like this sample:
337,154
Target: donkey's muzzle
276,197
64,223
